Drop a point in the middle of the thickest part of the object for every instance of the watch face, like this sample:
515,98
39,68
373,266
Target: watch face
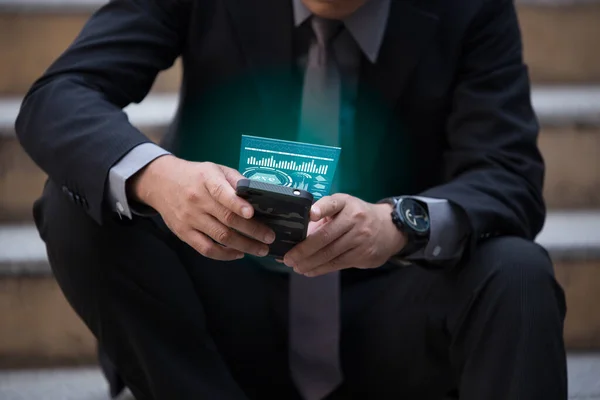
414,215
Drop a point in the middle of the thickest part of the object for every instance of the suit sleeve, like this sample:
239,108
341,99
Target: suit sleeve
122,171
494,170
71,121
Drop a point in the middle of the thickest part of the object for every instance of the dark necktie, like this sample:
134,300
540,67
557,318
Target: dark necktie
315,302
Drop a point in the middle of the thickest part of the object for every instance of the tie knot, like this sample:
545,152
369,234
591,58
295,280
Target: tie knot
325,29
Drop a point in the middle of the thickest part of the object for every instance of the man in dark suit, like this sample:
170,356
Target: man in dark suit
419,278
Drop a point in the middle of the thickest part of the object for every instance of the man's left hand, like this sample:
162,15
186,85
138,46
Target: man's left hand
346,233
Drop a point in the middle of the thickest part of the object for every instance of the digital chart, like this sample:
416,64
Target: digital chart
299,165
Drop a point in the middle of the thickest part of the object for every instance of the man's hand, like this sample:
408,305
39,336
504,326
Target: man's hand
198,203
350,234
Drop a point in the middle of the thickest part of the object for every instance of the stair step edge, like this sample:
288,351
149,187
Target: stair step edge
62,383
38,6
51,6
561,105
567,235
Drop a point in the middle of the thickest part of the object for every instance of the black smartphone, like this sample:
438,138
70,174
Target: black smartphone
285,210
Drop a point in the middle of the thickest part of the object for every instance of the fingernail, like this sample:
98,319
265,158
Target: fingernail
269,237
263,252
241,255
316,211
246,212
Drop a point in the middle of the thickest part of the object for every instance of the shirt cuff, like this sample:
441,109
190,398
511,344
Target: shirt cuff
129,165
448,232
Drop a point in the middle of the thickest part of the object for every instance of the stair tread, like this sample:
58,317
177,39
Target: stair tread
155,110
51,5
572,234
36,5
559,105
566,235
85,383
563,105
89,384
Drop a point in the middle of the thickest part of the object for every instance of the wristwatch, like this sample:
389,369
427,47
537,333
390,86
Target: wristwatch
411,217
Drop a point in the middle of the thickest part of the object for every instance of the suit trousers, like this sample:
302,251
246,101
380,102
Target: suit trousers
180,326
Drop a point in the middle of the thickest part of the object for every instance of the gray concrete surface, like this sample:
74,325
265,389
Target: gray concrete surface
566,235
57,384
561,105
584,376
572,235
70,5
88,383
157,110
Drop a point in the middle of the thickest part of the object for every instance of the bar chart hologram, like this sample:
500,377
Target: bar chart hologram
302,185
305,166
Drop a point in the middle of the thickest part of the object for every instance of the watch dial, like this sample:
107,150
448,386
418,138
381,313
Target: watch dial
414,215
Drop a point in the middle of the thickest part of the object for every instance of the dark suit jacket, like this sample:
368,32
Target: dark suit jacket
446,107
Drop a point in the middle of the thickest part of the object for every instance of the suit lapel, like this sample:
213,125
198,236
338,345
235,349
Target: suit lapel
411,26
409,30
264,30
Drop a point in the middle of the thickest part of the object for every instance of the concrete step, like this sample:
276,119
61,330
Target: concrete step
21,180
85,383
22,26
39,328
89,384
570,141
560,39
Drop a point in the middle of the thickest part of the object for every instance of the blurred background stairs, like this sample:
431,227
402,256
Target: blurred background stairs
47,353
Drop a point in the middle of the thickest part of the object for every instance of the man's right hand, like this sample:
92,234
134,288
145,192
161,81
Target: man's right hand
198,203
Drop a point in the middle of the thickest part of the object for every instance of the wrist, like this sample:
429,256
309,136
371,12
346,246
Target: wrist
397,238
143,187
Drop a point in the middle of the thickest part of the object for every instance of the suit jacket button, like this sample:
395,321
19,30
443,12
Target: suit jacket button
68,193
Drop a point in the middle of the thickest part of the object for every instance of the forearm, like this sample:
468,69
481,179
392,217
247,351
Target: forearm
146,186
75,136
493,168
497,202
124,174
448,234
71,122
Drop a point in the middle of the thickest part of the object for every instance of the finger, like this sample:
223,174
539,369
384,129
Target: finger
205,246
313,226
230,238
323,236
344,261
248,227
327,254
232,175
223,192
328,206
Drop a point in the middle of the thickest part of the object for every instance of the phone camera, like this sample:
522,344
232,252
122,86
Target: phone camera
297,192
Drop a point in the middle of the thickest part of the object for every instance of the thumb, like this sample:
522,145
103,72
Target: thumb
328,206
